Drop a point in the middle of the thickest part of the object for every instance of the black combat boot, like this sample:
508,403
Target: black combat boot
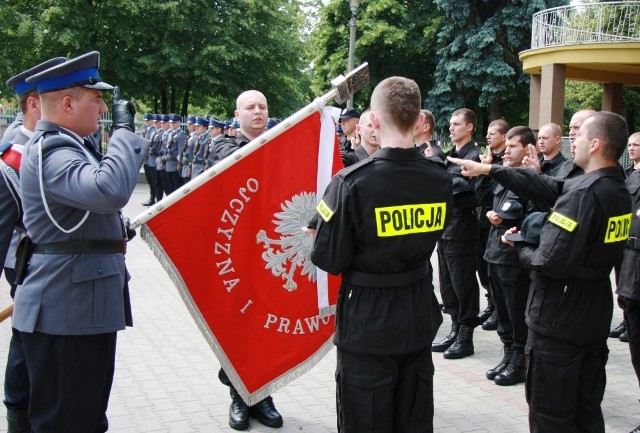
150,202
491,374
615,332
238,411
624,337
487,312
463,346
491,324
447,341
514,373
265,412
18,421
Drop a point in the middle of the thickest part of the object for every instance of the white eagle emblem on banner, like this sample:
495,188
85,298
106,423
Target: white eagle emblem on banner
290,252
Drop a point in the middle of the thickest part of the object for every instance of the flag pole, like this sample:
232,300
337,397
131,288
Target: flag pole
343,88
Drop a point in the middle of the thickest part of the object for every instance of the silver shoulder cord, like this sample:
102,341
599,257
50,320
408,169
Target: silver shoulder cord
44,199
11,179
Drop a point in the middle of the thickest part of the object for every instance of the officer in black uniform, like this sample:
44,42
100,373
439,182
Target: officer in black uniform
458,247
509,281
628,289
570,303
380,236
252,112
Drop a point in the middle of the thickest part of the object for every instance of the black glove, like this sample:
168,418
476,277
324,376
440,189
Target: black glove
123,112
131,233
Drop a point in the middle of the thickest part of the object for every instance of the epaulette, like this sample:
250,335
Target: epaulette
352,168
11,155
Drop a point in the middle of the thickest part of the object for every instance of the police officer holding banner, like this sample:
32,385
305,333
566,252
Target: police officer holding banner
252,111
74,297
570,302
380,222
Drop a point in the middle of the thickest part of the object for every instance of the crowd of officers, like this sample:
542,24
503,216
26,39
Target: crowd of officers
549,300
175,156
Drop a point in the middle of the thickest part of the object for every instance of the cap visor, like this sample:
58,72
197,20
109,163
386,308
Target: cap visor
99,86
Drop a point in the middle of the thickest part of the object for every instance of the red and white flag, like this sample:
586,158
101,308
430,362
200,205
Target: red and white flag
235,249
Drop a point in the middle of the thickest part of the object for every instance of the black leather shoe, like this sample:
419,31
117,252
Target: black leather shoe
514,373
486,313
447,341
265,412
238,412
463,346
149,202
615,332
491,324
624,337
491,374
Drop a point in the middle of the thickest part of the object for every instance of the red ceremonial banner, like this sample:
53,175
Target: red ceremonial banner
235,248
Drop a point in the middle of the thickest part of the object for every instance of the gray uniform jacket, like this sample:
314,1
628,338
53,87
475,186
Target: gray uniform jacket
76,294
21,136
11,130
175,143
187,155
10,211
154,149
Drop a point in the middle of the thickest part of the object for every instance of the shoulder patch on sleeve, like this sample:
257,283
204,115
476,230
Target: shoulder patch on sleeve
618,228
562,221
325,211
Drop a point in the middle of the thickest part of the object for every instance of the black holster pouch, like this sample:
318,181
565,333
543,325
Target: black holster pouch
23,256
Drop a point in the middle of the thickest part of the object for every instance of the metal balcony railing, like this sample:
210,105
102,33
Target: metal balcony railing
589,23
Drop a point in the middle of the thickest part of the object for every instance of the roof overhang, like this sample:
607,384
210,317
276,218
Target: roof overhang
602,63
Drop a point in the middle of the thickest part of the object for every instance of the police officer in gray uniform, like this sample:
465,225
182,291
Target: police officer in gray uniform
186,156
201,145
175,143
74,297
149,162
16,381
161,159
216,131
154,156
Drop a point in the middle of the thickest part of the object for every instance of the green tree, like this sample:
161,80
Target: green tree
394,36
478,65
168,54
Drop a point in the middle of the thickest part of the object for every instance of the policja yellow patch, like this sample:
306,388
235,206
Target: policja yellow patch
411,218
325,211
563,222
617,228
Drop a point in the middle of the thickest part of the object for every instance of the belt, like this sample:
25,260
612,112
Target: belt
82,247
366,279
585,273
633,243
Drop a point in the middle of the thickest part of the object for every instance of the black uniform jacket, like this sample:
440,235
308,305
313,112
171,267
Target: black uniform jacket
540,188
228,145
551,166
464,222
497,252
570,297
383,217
629,281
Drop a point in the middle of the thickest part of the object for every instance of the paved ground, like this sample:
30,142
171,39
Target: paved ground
166,375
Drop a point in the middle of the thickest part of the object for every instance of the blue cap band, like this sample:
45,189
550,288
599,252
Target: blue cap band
67,80
23,87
